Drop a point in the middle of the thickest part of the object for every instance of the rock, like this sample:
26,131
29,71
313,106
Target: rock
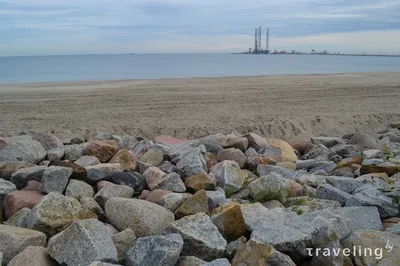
231,248
284,230
48,141
193,162
329,192
234,141
123,241
302,146
171,182
286,151
264,170
82,243
317,151
310,203
326,167
102,171
102,149
87,161
372,154
56,212
306,164
90,204
311,180
154,196
98,136
343,171
232,154
153,176
372,197
257,253
131,179
108,192
74,152
17,200
190,261
201,237
55,154
287,165
21,177
23,148
126,142
14,240
363,141
231,179
155,250
350,161
171,201
20,218
78,189
167,167
272,204
78,172
253,214
33,256
345,220
255,141
327,141
196,204
269,187
111,229
142,166
395,125
143,217
55,179
346,151
348,185
102,184
377,242
169,140
99,263
5,188
199,182
154,157
218,262
379,166
8,168
394,229
216,198
229,220
126,159
326,239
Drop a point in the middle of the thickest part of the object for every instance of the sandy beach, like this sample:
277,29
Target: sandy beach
287,107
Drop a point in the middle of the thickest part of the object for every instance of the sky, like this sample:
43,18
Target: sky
52,27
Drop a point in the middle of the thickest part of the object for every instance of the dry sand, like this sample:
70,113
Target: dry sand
287,107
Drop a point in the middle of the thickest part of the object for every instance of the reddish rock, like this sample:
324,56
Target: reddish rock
156,195
302,146
16,200
33,185
144,194
126,159
169,140
102,149
48,140
153,176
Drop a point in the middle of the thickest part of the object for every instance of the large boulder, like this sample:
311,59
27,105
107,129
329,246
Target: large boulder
33,256
363,141
255,253
17,200
23,148
56,212
78,172
196,204
201,237
78,189
74,152
286,151
55,179
269,187
126,159
255,141
113,191
232,154
153,157
171,182
230,178
155,250
143,217
328,192
81,243
48,140
346,151
14,240
229,220
102,149
199,182
130,179
8,168
348,185
264,170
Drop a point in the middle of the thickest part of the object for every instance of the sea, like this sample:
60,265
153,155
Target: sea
24,69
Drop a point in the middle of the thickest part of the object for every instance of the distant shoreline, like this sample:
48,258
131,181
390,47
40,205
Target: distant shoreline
377,55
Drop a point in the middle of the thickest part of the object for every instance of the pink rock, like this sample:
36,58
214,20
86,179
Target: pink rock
144,194
32,185
169,140
16,200
153,176
103,184
156,195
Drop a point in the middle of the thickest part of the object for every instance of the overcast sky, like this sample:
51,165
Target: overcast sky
41,27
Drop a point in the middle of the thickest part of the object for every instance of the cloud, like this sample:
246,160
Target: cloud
151,26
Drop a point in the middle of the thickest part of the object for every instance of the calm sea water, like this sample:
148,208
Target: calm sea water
111,67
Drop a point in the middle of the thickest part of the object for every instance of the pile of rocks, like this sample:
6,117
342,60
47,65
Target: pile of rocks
222,199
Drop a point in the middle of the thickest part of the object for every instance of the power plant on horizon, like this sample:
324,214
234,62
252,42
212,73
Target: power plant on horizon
258,44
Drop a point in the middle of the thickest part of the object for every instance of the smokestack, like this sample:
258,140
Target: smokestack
267,42
256,41
259,39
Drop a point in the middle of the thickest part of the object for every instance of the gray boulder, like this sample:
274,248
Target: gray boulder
74,152
102,171
327,141
33,256
269,187
326,239
22,176
90,204
346,151
20,218
78,189
154,157
172,201
82,243
123,241
394,229
5,188
48,140
14,240
264,170
373,154
192,162
55,153
253,214
326,167
113,191
167,167
231,179
232,154
363,141
317,151
329,192
201,237
55,179
348,185
216,198
23,148
143,217
131,179
155,250
218,262
87,160
171,182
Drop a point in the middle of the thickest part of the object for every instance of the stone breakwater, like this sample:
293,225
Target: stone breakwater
222,199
